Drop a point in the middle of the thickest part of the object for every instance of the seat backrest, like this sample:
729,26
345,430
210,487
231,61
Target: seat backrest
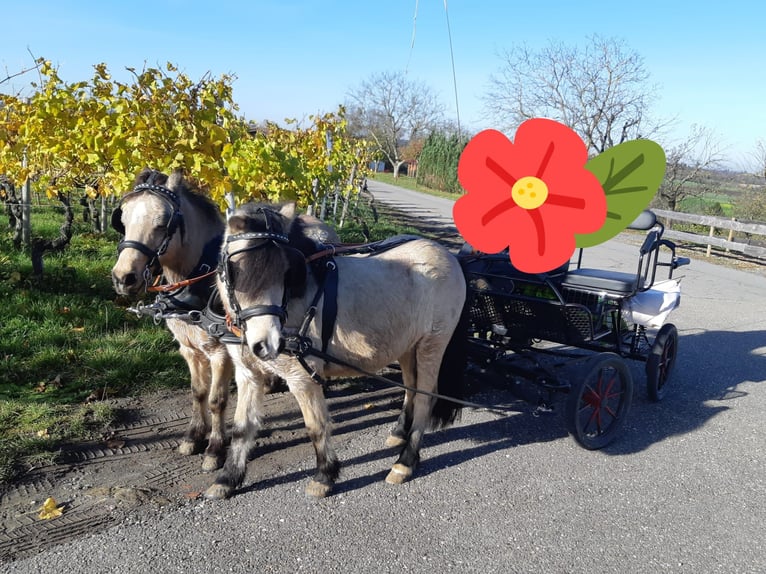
645,220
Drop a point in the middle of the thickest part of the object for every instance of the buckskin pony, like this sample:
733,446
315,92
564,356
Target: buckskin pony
400,304
173,231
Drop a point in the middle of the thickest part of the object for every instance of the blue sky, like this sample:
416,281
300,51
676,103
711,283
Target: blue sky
293,58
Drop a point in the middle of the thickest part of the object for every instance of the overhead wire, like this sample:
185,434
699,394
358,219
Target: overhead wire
451,51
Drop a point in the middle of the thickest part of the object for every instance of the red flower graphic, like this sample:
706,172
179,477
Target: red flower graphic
531,195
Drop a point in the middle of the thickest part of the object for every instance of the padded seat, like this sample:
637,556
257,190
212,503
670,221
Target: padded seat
600,280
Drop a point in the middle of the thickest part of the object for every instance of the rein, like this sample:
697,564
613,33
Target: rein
169,287
300,347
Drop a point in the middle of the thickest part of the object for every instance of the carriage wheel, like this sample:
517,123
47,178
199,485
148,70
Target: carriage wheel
661,360
599,401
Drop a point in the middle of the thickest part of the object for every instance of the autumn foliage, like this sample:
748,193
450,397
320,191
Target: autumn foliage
98,134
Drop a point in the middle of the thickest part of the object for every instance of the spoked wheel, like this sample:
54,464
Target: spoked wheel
599,401
661,360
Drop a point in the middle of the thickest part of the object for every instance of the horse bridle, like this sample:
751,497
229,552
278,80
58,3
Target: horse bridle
175,222
238,317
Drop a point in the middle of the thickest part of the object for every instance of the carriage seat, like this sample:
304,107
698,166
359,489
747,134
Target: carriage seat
600,280
617,282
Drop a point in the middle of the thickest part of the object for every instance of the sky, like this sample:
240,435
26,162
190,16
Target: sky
294,58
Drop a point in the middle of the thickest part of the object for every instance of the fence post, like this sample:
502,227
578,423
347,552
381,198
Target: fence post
731,235
709,247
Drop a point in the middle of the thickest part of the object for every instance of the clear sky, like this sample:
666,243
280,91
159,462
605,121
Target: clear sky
293,58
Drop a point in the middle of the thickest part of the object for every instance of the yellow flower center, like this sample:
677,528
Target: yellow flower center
529,192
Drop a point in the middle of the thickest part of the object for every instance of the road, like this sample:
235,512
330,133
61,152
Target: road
683,489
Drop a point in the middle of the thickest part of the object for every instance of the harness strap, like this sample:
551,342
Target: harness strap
330,303
300,348
138,246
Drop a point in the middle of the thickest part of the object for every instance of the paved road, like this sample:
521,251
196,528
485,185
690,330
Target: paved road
682,490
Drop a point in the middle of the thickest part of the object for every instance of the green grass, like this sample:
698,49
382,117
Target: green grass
67,340
64,339
410,183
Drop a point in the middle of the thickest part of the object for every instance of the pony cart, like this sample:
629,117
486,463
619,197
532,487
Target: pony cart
570,331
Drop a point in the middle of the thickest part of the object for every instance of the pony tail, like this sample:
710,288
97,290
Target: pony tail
451,381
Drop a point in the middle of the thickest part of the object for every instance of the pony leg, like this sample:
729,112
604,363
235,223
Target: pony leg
400,432
199,369
428,360
311,400
247,420
218,397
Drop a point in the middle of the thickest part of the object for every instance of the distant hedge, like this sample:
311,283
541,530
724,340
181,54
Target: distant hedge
437,165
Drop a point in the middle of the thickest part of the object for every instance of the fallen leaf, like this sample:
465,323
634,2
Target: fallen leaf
50,509
369,406
115,443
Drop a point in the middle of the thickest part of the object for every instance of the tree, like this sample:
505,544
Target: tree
600,91
688,168
391,110
759,157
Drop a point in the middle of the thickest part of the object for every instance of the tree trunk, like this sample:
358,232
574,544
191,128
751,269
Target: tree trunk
104,217
347,198
41,246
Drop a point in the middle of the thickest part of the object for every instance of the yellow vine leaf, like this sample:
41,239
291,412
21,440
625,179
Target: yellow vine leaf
50,509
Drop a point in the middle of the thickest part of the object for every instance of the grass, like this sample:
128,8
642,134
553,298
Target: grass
67,342
410,183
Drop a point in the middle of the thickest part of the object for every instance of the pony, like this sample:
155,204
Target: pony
405,304
170,229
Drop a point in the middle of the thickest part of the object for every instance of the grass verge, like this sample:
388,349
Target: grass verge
67,343
410,183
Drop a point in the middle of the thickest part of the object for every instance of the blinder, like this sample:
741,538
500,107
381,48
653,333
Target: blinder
116,222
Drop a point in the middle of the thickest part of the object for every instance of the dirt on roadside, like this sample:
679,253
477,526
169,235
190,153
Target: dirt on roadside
135,471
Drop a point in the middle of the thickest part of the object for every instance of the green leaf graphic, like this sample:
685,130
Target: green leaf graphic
630,174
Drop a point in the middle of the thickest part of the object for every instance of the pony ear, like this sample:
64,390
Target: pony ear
295,276
237,223
143,176
175,180
288,210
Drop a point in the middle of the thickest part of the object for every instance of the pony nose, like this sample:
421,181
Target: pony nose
123,283
129,279
264,351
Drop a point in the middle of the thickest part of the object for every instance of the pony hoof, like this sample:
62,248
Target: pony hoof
218,492
399,474
318,490
393,440
210,463
187,447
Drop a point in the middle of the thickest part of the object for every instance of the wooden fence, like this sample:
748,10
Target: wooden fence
729,244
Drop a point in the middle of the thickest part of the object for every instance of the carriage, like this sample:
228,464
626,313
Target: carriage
571,330
299,311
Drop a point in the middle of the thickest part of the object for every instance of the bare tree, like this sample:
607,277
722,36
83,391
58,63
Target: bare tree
689,168
759,157
391,109
600,91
